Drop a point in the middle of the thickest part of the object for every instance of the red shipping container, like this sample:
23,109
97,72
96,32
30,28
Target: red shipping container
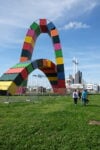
53,66
28,46
43,25
48,70
24,73
61,83
61,91
55,89
14,70
54,86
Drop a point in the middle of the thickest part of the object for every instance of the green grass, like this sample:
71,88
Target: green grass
49,123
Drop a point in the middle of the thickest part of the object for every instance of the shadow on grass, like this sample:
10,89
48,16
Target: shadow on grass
91,105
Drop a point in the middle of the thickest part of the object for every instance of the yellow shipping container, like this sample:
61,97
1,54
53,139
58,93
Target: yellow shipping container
13,88
59,60
29,39
4,85
48,63
53,78
8,86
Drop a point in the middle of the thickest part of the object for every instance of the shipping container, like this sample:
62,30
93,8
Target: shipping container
61,83
46,70
43,25
57,46
60,68
54,32
22,59
52,78
24,74
29,68
22,64
32,34
15,70
40,63
54,83
51,74
8,86
50,26
26,53
28,47
58,53
34,64
36,28
56,39
61,75
29,39
59,60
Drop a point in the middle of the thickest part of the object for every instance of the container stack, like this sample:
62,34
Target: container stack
59,60
49,68
29,42
15,76
54,72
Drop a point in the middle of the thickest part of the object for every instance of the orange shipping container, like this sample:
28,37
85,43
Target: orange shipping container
54,32
22,59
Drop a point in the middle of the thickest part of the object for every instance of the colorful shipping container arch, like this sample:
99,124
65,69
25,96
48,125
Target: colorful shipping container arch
18,74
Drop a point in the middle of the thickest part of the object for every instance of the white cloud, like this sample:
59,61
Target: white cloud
21,13
90,66
75,25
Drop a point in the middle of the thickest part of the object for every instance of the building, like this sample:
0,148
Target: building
78,78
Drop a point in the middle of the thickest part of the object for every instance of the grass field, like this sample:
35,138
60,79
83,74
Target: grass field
49,123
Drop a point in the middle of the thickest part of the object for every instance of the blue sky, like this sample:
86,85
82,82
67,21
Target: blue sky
78,23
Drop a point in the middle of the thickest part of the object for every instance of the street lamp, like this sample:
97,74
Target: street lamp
38,76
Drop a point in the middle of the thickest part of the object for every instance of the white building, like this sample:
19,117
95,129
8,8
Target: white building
92,87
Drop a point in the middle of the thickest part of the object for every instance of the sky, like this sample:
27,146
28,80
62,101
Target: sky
78,23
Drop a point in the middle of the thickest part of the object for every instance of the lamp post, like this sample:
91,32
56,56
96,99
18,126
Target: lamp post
75,66
38,76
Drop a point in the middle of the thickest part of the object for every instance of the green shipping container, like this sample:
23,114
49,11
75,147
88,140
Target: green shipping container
29,68
12,77
36,28
58,53
24,83
8,77
21,65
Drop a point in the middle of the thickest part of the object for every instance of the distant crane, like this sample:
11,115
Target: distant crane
75,66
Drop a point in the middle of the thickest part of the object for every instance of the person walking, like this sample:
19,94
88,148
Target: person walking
79,94
84,97
75,96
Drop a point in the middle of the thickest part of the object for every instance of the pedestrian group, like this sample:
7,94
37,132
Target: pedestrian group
81,95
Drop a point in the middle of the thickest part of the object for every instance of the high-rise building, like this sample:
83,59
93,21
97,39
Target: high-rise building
71,79
78,77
